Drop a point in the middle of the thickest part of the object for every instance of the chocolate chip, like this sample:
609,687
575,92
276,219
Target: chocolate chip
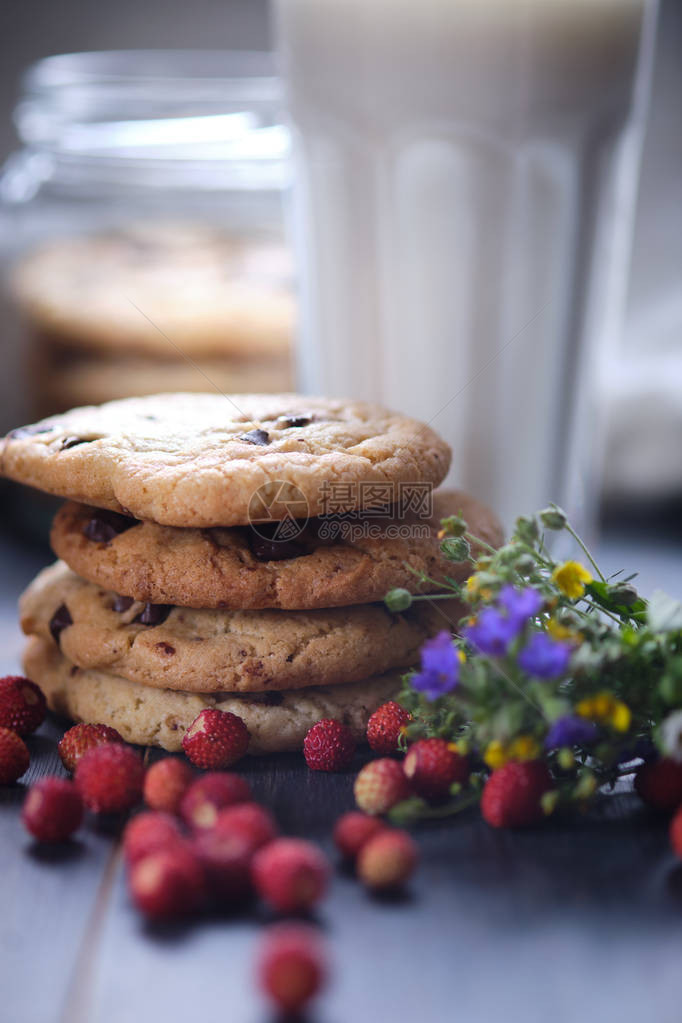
30,431
295,421
165,648
122,604
59,621
71,442
153,614
105,525
261,437
266,547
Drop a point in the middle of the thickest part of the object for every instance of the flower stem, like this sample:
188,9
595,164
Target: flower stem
585,550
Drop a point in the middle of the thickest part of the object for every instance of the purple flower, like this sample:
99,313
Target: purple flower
440,667
520,605
571,731
492,632
544,657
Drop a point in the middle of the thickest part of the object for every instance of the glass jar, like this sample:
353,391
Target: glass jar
143,232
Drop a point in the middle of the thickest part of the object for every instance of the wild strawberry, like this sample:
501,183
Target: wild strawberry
226,859
292,966
512,794
329,746
53,810
676,833
168,884
81,738
165,784
149,833
109,778
388,860
352,830
14,757
384,727
432,765
659,784
290,874
22,705
380,785
207,795
216,739
251,822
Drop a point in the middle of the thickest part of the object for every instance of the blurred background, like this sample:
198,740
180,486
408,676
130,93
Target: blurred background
211,259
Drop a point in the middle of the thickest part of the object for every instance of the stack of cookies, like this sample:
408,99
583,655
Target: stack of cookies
234,552
155,307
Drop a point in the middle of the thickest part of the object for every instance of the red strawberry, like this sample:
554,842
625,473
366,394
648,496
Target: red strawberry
352,830
292,966
53,810
388,860
227,863
380,785
329,746
22,705
165,784
14,757
659,784
216,739
149,833
676,833
251,822
290,874
110,778
385,726
168,884
512,795
432,765
207,795
81,738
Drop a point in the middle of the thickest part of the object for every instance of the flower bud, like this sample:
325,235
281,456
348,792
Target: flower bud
624,594
453,525
527,530
398,599
455,548
553,517
525,565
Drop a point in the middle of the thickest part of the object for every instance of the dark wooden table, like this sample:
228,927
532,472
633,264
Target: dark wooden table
580,920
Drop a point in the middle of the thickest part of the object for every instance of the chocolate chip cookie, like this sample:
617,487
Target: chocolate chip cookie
224,651
277,722
352,559
205,460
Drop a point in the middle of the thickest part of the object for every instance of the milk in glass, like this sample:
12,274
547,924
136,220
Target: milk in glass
464,187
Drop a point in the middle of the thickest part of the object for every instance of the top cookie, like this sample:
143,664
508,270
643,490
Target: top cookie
224,460
131,290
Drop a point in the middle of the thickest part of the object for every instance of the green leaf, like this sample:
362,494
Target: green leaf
602,594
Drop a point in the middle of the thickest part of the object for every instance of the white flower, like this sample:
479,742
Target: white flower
671,735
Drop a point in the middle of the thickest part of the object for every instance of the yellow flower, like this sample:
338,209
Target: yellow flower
524,747
495,755
571,578
607,710
562,632
498,753
461,656
474,590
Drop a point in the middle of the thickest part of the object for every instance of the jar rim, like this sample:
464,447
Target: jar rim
252,68
182,114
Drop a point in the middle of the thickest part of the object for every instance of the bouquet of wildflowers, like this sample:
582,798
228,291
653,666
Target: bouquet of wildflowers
557,679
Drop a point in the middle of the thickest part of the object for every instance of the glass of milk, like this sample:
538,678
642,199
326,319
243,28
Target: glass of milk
464,190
